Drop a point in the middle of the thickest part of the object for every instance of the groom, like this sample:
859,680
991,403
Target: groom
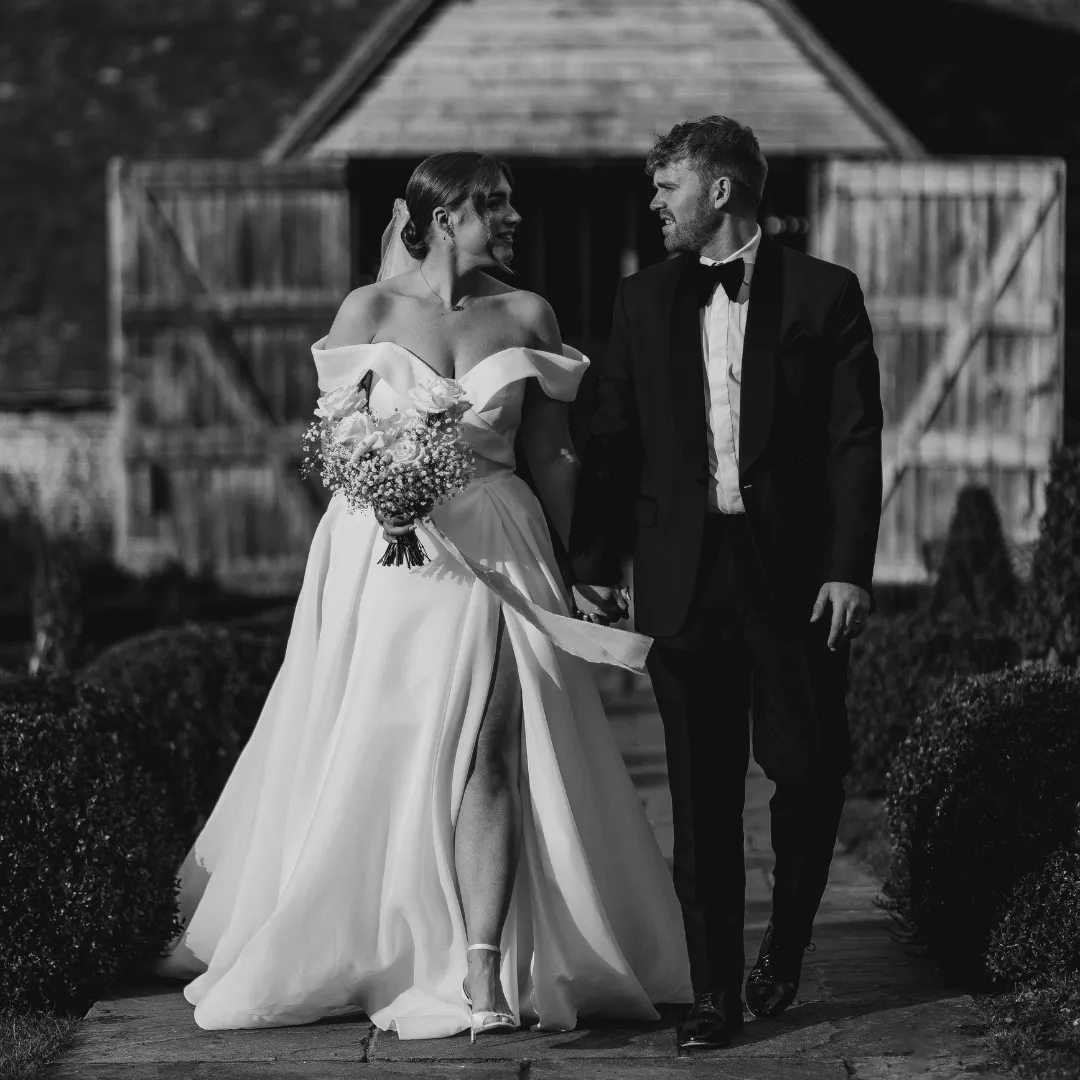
734,452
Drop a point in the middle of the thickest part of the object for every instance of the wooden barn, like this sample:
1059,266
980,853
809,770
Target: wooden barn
223,273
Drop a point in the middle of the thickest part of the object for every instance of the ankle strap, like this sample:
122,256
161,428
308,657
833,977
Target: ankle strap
485,948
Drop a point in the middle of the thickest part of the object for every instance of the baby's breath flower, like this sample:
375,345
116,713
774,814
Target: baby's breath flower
422,458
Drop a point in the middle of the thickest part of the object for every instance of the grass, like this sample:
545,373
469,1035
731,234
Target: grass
1036,1031
863,833
29,1041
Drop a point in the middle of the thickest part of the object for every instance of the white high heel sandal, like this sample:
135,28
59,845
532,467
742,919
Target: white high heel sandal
487,1021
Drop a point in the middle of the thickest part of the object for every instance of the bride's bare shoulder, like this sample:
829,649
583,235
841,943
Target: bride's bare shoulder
536,317
361,314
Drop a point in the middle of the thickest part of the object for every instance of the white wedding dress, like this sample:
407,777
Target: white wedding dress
323,883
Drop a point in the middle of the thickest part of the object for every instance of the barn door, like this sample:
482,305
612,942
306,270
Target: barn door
962,264
222,276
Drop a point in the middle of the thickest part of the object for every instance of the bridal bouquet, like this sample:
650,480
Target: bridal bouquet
399,465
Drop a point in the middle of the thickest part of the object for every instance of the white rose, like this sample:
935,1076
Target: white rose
355,428
405,451
339,402
361,433
395,419
439,396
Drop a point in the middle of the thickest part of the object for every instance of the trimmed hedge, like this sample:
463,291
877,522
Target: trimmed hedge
976,576
1039,936
983,790
86,854
899,666
197,691
1050,614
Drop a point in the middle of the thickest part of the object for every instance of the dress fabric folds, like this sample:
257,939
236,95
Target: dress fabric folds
323,882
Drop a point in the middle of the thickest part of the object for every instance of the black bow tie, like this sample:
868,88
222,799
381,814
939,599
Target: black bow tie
729,274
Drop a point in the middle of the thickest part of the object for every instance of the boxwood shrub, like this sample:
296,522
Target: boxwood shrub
976,574
87,864
197,691
982,791
1050,612
899,666
1038,939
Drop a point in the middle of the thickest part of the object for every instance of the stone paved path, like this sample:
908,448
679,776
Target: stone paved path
866,1010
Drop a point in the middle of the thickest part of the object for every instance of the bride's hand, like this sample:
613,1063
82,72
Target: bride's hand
394,525
601,604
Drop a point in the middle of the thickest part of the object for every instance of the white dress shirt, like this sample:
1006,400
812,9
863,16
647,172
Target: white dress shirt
723,326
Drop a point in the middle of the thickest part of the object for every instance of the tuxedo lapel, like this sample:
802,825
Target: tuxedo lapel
685,366
760,344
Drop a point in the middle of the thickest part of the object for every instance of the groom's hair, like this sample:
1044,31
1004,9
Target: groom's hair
713,146
448,180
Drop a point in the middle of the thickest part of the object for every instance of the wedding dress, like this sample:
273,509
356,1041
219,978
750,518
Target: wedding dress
323,882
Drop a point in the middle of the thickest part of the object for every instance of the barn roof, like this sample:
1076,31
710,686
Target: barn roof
1054,12
592,78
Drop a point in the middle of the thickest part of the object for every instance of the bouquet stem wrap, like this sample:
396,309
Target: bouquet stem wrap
405,550
588,641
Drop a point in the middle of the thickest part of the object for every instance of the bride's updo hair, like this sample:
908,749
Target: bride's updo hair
448,180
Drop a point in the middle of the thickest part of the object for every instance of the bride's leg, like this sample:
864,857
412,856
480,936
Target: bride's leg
488,837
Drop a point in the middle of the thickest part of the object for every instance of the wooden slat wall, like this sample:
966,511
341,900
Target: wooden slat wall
224,274
923,238
564,78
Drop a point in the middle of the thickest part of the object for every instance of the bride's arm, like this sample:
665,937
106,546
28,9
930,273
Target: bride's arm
545,433
358,318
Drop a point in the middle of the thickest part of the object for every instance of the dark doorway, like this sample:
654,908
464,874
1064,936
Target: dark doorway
585,226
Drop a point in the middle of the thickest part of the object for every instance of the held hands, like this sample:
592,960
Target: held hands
601,604
850,608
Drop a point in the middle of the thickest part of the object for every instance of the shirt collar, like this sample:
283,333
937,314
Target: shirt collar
748,252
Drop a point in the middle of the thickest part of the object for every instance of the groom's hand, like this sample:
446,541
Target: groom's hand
850,608
601,603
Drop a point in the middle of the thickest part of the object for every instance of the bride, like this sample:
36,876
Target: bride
431,823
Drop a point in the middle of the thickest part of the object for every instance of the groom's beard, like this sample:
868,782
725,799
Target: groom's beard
694,230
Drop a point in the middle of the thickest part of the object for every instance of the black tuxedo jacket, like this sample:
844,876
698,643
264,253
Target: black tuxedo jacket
809,441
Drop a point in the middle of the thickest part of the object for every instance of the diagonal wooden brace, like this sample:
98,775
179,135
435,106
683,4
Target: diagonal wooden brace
941,377
222,359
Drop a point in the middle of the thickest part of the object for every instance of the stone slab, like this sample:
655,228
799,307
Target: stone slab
288,1070
153,1023
713,1066
710,1065
627,1043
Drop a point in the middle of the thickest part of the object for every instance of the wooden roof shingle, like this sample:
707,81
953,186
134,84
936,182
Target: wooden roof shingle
591,78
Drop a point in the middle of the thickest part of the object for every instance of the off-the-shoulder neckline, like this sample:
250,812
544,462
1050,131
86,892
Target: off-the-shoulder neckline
420,360
439,374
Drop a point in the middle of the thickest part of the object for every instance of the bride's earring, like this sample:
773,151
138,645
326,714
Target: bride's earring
450,233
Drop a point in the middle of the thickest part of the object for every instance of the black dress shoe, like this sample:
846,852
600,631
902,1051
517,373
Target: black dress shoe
773,981
712,1021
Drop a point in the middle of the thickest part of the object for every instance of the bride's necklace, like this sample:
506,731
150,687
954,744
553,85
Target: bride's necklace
459,306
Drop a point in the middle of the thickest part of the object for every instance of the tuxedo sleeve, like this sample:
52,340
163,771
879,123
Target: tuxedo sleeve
853,462
602,533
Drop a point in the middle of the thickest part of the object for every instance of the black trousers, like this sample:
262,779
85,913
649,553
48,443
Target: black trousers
738,657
